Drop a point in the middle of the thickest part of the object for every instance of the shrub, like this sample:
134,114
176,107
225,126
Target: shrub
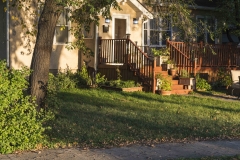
223,79
202,84
21,125
83,77
122,84
62,81
100,80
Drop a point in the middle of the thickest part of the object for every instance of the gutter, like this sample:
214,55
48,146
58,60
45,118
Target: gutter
96,49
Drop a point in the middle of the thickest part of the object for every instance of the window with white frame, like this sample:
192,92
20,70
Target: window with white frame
89,34
156,31
205,28
62,29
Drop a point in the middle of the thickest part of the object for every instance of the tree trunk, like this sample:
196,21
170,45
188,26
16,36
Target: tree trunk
42,50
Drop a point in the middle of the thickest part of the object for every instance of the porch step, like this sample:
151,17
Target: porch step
174,82
181,91
177,87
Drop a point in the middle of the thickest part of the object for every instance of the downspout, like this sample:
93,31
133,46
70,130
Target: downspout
7,38
143,35
96,49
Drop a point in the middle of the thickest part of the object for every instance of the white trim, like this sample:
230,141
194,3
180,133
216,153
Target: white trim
160,44
143,32
69,33
120,16
96,48
137,4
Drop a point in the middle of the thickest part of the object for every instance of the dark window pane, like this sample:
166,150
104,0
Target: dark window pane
164,36
145,37
61,34
63,18
154,38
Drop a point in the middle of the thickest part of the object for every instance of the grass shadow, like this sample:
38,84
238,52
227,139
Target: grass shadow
99,119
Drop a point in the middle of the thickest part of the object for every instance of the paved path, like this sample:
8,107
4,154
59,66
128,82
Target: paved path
136,152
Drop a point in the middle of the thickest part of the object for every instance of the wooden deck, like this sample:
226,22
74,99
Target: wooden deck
136,65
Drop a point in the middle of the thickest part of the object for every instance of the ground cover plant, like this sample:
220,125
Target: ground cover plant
20,124
102,118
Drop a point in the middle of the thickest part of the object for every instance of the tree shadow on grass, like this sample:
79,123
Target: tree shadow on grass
90,121
221,96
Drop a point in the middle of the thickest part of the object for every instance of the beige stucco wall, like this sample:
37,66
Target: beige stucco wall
21,51
135,31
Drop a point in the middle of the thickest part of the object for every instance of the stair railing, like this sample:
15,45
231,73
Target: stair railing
125,51
194,56
180,53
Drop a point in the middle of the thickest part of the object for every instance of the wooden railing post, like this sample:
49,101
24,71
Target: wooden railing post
195,67
127,48
153,78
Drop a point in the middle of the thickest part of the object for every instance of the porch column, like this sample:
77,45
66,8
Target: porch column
100,58
127,49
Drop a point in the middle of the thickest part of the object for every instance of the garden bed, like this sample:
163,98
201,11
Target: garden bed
129,89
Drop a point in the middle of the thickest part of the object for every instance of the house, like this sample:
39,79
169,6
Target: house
133,25
17,52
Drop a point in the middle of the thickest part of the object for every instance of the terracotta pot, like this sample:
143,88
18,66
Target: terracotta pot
165,93
173,72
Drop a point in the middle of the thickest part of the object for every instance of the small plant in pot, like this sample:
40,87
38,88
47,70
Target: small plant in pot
173,71
161,55
164,85
160,52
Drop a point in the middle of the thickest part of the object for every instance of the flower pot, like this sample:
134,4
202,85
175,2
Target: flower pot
165,93
161,59
173,72
189,82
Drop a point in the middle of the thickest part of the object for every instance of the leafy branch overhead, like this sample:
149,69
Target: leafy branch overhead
38,20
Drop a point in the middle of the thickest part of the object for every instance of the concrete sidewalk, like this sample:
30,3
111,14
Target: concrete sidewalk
136,152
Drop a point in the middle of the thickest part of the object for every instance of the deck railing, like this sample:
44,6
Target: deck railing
125,51
193,56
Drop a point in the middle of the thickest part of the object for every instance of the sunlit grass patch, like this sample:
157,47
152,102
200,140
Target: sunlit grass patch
100,118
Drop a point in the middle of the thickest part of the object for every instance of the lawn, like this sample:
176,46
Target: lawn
93,118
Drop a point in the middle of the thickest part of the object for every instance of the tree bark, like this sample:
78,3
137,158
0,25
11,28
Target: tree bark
42,50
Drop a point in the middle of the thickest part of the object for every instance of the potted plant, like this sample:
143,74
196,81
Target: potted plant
161,55
164,84
173,70
186,80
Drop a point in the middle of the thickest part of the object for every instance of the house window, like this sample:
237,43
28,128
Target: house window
156,32
89,35
62,29
205,27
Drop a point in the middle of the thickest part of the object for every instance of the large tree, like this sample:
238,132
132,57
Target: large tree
228,15
82,12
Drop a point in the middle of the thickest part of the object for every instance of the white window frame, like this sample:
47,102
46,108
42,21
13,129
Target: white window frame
69,38
148,29
90,35
120,16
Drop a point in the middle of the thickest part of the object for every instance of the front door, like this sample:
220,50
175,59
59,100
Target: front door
119,46
3,32
120,28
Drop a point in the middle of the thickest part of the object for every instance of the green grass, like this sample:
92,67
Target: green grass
99,118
